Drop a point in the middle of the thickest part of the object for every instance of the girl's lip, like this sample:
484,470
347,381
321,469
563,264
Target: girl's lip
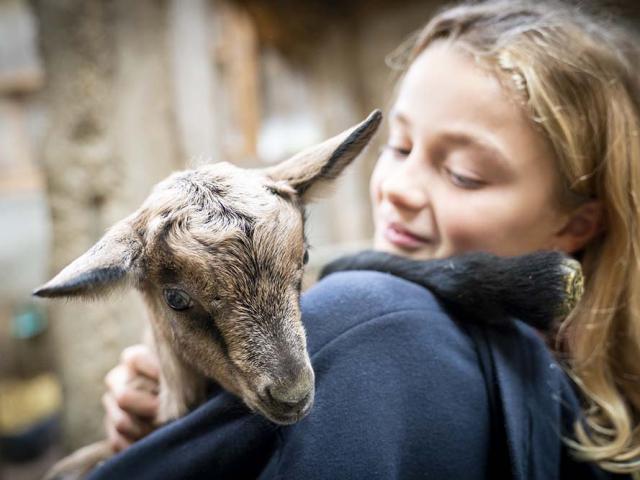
401,237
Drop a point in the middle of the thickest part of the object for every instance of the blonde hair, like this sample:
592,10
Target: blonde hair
575,74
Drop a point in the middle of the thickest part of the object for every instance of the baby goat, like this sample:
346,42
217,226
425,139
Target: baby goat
217,254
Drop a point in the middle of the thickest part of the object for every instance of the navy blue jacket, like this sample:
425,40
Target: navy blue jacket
400,393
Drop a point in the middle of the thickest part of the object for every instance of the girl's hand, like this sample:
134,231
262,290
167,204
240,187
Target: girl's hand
131,401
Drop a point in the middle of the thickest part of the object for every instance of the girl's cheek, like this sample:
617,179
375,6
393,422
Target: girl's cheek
464,229
459,237
374,188
375,184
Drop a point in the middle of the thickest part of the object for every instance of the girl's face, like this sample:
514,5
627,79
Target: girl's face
463,168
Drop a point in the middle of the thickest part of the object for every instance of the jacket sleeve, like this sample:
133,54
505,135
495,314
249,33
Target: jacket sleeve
220,439
399,395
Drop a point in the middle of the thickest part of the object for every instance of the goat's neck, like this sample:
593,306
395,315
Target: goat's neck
181,386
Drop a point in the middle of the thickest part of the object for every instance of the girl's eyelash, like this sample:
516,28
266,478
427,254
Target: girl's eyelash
463,181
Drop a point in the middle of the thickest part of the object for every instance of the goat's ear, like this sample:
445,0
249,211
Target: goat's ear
313,168
110,263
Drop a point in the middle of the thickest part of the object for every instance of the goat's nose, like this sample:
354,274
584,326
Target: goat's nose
287,398
293,394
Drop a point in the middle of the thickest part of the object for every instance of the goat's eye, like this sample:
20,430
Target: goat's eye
305,259
177,299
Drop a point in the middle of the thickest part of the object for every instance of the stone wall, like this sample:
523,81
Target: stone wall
110,137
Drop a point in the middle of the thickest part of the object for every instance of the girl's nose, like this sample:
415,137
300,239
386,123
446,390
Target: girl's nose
405,188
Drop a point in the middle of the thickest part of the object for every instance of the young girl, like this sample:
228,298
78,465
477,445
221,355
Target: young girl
514,129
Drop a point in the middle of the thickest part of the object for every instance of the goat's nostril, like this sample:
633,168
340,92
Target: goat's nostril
291,392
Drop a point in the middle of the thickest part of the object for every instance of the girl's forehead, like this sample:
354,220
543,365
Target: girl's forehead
447,83
446,94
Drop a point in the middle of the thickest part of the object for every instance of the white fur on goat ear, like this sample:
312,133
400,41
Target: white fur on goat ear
313,168
112,261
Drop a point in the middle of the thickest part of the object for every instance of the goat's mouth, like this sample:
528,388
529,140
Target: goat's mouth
284,413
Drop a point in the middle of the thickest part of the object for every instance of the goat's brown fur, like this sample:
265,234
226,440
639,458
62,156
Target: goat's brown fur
233,241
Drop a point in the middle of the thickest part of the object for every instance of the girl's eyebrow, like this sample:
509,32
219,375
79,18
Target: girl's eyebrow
399,117
467,139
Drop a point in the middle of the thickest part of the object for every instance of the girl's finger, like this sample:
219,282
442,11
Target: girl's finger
142,360
136,402
125,424
117,377
117,441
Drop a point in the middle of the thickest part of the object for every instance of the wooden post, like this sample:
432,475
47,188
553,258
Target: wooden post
195,81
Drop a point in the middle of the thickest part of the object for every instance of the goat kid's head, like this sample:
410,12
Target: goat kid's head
218,254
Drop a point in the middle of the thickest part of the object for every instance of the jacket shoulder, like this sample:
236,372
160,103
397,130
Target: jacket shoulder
398,388
342,301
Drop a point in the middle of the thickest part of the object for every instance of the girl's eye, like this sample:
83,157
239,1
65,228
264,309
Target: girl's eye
398,151
305,258
463,181
177,299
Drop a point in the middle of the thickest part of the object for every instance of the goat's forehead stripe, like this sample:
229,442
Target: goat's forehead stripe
212,197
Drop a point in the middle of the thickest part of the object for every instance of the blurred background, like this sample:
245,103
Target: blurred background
99,100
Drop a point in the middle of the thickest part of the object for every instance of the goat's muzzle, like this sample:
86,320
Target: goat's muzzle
288,401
